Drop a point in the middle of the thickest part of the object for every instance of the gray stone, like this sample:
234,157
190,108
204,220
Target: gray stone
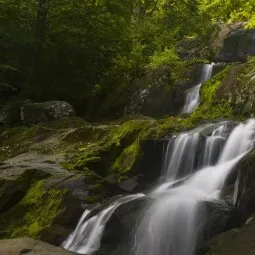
29,246
33,113
238,45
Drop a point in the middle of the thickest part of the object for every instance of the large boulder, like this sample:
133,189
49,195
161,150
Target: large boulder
29,246
238,45
27,112
158,93
39,198
153,94
32,113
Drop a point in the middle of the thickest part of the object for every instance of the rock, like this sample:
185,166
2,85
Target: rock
153,95
238,45
118,234
151,162
30,247
73,201
234,242
33,113
27,112
245,200
190,48
10,113
30,177
130,184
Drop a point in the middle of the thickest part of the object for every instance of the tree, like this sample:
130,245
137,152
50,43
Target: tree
40,23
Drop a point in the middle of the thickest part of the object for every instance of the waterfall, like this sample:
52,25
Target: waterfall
86,237
192,97
173,221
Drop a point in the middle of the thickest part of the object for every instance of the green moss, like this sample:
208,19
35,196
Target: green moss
65,123
128,158
92,199
35,212
15,141
211,107
243,93
129,128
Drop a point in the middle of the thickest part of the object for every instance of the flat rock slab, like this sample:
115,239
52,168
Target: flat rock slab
13,167
28,246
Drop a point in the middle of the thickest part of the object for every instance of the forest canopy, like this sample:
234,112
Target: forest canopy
76,50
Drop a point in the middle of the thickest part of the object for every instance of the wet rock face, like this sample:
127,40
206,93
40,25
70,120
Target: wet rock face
238,45
245,201
118,236
239,240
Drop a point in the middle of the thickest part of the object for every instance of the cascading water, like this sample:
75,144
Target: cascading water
86,237
172,224
174,219
192,97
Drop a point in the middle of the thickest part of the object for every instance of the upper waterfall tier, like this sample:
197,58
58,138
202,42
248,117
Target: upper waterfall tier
192,96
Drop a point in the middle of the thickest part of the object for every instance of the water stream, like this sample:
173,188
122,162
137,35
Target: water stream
196,166
192,95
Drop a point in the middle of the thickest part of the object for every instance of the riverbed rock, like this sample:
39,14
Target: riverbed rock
30,247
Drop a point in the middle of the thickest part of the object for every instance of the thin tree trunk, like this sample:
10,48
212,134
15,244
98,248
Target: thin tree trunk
40,24
39,37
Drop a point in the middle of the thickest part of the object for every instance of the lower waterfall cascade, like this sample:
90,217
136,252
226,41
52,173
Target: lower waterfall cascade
196,166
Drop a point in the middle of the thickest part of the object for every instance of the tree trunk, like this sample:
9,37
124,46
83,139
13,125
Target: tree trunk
40,24
39,37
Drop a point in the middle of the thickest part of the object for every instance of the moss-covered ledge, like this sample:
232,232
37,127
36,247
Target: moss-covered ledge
36,211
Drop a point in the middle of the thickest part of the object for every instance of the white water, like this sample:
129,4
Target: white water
192,97
87,235
173,222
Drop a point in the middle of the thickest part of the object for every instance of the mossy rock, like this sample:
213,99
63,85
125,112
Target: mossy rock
45,207
36,211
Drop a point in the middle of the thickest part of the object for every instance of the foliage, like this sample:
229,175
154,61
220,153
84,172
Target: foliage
231,10
166,57
90,48
90,51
